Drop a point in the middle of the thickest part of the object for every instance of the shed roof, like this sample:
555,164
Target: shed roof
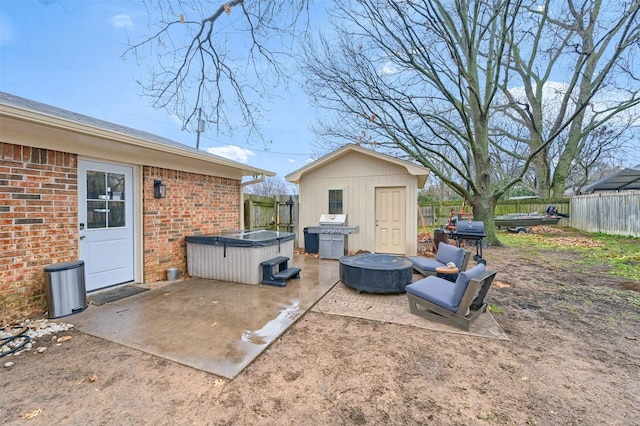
420,172
625,179
157,150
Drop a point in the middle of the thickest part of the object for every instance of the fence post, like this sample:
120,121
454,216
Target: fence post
248,214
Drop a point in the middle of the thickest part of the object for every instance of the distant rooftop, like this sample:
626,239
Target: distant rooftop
626,179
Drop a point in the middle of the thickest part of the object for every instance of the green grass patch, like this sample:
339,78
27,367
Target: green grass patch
495,309
630,296
618,255
495,417
573,310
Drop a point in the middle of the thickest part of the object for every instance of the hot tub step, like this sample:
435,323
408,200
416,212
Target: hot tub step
276,261
288,273
284,272
280,279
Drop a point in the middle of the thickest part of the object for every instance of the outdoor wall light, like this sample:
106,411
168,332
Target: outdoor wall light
159,190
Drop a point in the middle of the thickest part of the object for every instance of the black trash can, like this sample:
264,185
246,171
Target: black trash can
66,291
311,242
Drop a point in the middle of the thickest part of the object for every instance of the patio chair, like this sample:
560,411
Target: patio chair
446,253
457,304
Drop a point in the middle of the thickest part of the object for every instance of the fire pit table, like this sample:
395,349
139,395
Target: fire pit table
376,273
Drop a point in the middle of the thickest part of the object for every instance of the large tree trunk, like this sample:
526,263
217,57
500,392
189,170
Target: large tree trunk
542,183
484,209
542,171
482,201
558,184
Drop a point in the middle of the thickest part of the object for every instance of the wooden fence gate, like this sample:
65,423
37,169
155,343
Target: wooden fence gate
279,213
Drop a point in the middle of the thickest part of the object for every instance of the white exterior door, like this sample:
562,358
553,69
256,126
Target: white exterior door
105,196
390,220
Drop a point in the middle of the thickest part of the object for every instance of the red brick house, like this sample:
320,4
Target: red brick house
74,187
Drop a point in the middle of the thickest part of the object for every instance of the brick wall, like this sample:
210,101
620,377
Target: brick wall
194,204
38,218
39,221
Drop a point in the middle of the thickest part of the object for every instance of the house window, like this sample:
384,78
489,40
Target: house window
335,201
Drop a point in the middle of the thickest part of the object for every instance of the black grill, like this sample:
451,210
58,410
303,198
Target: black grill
471,230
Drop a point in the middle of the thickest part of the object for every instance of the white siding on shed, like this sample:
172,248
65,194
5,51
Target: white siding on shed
358,175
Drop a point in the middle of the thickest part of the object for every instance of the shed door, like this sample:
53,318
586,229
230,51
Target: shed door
105,196
390,220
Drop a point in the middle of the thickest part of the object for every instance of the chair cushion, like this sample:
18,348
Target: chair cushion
433,289
425,263
448,253
462,282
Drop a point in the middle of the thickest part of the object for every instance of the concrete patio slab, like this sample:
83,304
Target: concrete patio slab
219,327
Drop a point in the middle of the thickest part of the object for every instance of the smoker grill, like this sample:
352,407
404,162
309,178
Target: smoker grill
332,229
470,230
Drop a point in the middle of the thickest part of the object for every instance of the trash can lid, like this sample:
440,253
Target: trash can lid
64,266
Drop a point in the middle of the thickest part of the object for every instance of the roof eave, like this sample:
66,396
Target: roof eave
40,118
420,172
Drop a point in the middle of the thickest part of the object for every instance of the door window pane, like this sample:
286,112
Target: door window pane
116,214
115,186
96,214
96,185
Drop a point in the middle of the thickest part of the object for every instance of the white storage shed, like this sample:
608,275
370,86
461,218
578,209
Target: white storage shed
377,192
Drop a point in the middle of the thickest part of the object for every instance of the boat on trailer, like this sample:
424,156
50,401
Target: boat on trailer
526,219
520,222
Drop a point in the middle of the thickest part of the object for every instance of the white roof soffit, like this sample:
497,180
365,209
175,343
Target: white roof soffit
128,140
420,172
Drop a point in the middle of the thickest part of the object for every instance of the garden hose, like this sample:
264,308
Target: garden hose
22,334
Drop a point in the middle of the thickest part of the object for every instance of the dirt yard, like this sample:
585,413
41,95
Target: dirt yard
573,359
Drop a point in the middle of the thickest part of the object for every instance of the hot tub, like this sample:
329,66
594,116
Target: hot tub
236,256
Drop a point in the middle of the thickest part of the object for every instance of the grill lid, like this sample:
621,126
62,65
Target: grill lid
333,219
470,227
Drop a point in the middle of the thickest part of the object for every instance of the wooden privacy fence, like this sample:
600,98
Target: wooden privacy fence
279,213
437,214
614,213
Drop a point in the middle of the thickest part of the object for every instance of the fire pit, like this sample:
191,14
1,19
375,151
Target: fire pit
376,273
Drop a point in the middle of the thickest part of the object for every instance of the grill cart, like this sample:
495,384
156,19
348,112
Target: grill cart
332,229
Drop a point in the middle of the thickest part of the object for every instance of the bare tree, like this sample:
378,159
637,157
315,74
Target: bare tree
418,79
575,70
221,59
601,154
270,187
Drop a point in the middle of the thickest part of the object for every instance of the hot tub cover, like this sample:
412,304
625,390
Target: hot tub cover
242,239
